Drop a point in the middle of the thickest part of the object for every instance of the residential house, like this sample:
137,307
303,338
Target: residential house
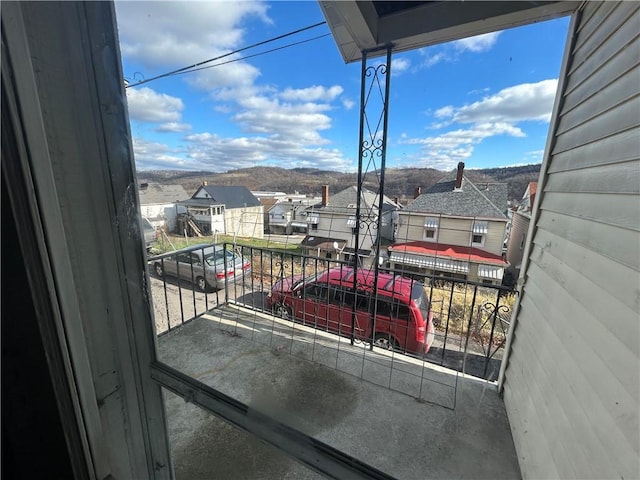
287,217
159,204
80,367
333,225
454,229
521,217
224,209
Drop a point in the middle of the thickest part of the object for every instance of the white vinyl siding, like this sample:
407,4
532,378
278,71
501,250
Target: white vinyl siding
572,382
519,228
454,231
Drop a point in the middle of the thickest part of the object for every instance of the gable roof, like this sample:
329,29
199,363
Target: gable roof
230,196
471,200
155,193
346,200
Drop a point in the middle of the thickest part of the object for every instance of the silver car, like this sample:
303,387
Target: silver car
207,266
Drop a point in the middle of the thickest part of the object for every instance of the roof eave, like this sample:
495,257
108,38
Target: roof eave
356,26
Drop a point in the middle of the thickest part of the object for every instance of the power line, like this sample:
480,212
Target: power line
255,54
191,67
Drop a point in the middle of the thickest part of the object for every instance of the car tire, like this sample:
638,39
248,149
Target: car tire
157,267
282,311
385,341
202,284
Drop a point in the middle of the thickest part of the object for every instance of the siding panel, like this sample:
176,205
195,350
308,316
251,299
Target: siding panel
621,178
617,92
618,37
609,123
614,149
591,267
607,208
621,62
572,379
619,244
570,395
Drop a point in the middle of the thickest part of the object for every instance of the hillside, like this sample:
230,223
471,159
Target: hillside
399,182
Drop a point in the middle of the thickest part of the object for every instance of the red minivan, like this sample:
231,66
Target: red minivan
403,317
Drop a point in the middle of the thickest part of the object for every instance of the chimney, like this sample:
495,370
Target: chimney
325,195
459,175
396,200
417,192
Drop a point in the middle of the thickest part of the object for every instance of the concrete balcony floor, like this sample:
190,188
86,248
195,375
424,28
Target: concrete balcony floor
405,417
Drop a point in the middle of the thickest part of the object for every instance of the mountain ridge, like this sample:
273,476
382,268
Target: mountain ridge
400,183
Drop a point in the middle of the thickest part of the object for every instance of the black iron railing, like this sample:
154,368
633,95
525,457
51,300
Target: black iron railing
470,319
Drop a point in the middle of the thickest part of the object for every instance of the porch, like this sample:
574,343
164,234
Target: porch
445,425
407,416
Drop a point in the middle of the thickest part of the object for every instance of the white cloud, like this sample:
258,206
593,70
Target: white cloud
146,105
527,101
446,150
154,155
174,127
477,44
312,94
348,104
277,124
494,115
220,154
162,34
400,65
434,59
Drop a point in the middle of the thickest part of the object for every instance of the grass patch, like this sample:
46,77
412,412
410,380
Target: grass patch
169,242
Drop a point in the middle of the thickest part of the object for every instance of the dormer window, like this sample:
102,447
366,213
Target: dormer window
431,225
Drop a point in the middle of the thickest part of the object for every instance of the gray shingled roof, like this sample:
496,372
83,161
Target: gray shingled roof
155,193
231,196
481,200
341,201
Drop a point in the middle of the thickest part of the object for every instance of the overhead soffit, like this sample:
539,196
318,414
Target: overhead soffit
370,26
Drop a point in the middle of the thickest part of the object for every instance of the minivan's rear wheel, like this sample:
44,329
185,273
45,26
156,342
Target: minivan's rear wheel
158,269
385,341
202,284
283,312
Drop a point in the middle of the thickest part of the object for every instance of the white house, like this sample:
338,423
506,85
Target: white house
224,209
160,203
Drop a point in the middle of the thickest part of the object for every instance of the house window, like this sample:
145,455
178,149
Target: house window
431,225
314,226
313,219
479,232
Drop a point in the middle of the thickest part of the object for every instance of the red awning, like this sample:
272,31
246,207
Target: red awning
455,252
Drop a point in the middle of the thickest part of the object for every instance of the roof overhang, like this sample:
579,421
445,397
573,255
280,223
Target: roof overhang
368,25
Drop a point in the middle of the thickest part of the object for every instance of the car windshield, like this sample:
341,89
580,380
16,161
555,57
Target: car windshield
419,296
217,257
309,279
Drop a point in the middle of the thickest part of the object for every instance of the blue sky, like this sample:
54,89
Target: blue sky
486,100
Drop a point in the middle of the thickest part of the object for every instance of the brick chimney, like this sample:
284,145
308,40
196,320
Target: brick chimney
325,195
417,192
459,175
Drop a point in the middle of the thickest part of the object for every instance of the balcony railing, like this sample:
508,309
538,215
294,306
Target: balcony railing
470,320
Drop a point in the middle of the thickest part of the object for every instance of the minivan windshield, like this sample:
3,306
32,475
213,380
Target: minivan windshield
419,296
217,257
